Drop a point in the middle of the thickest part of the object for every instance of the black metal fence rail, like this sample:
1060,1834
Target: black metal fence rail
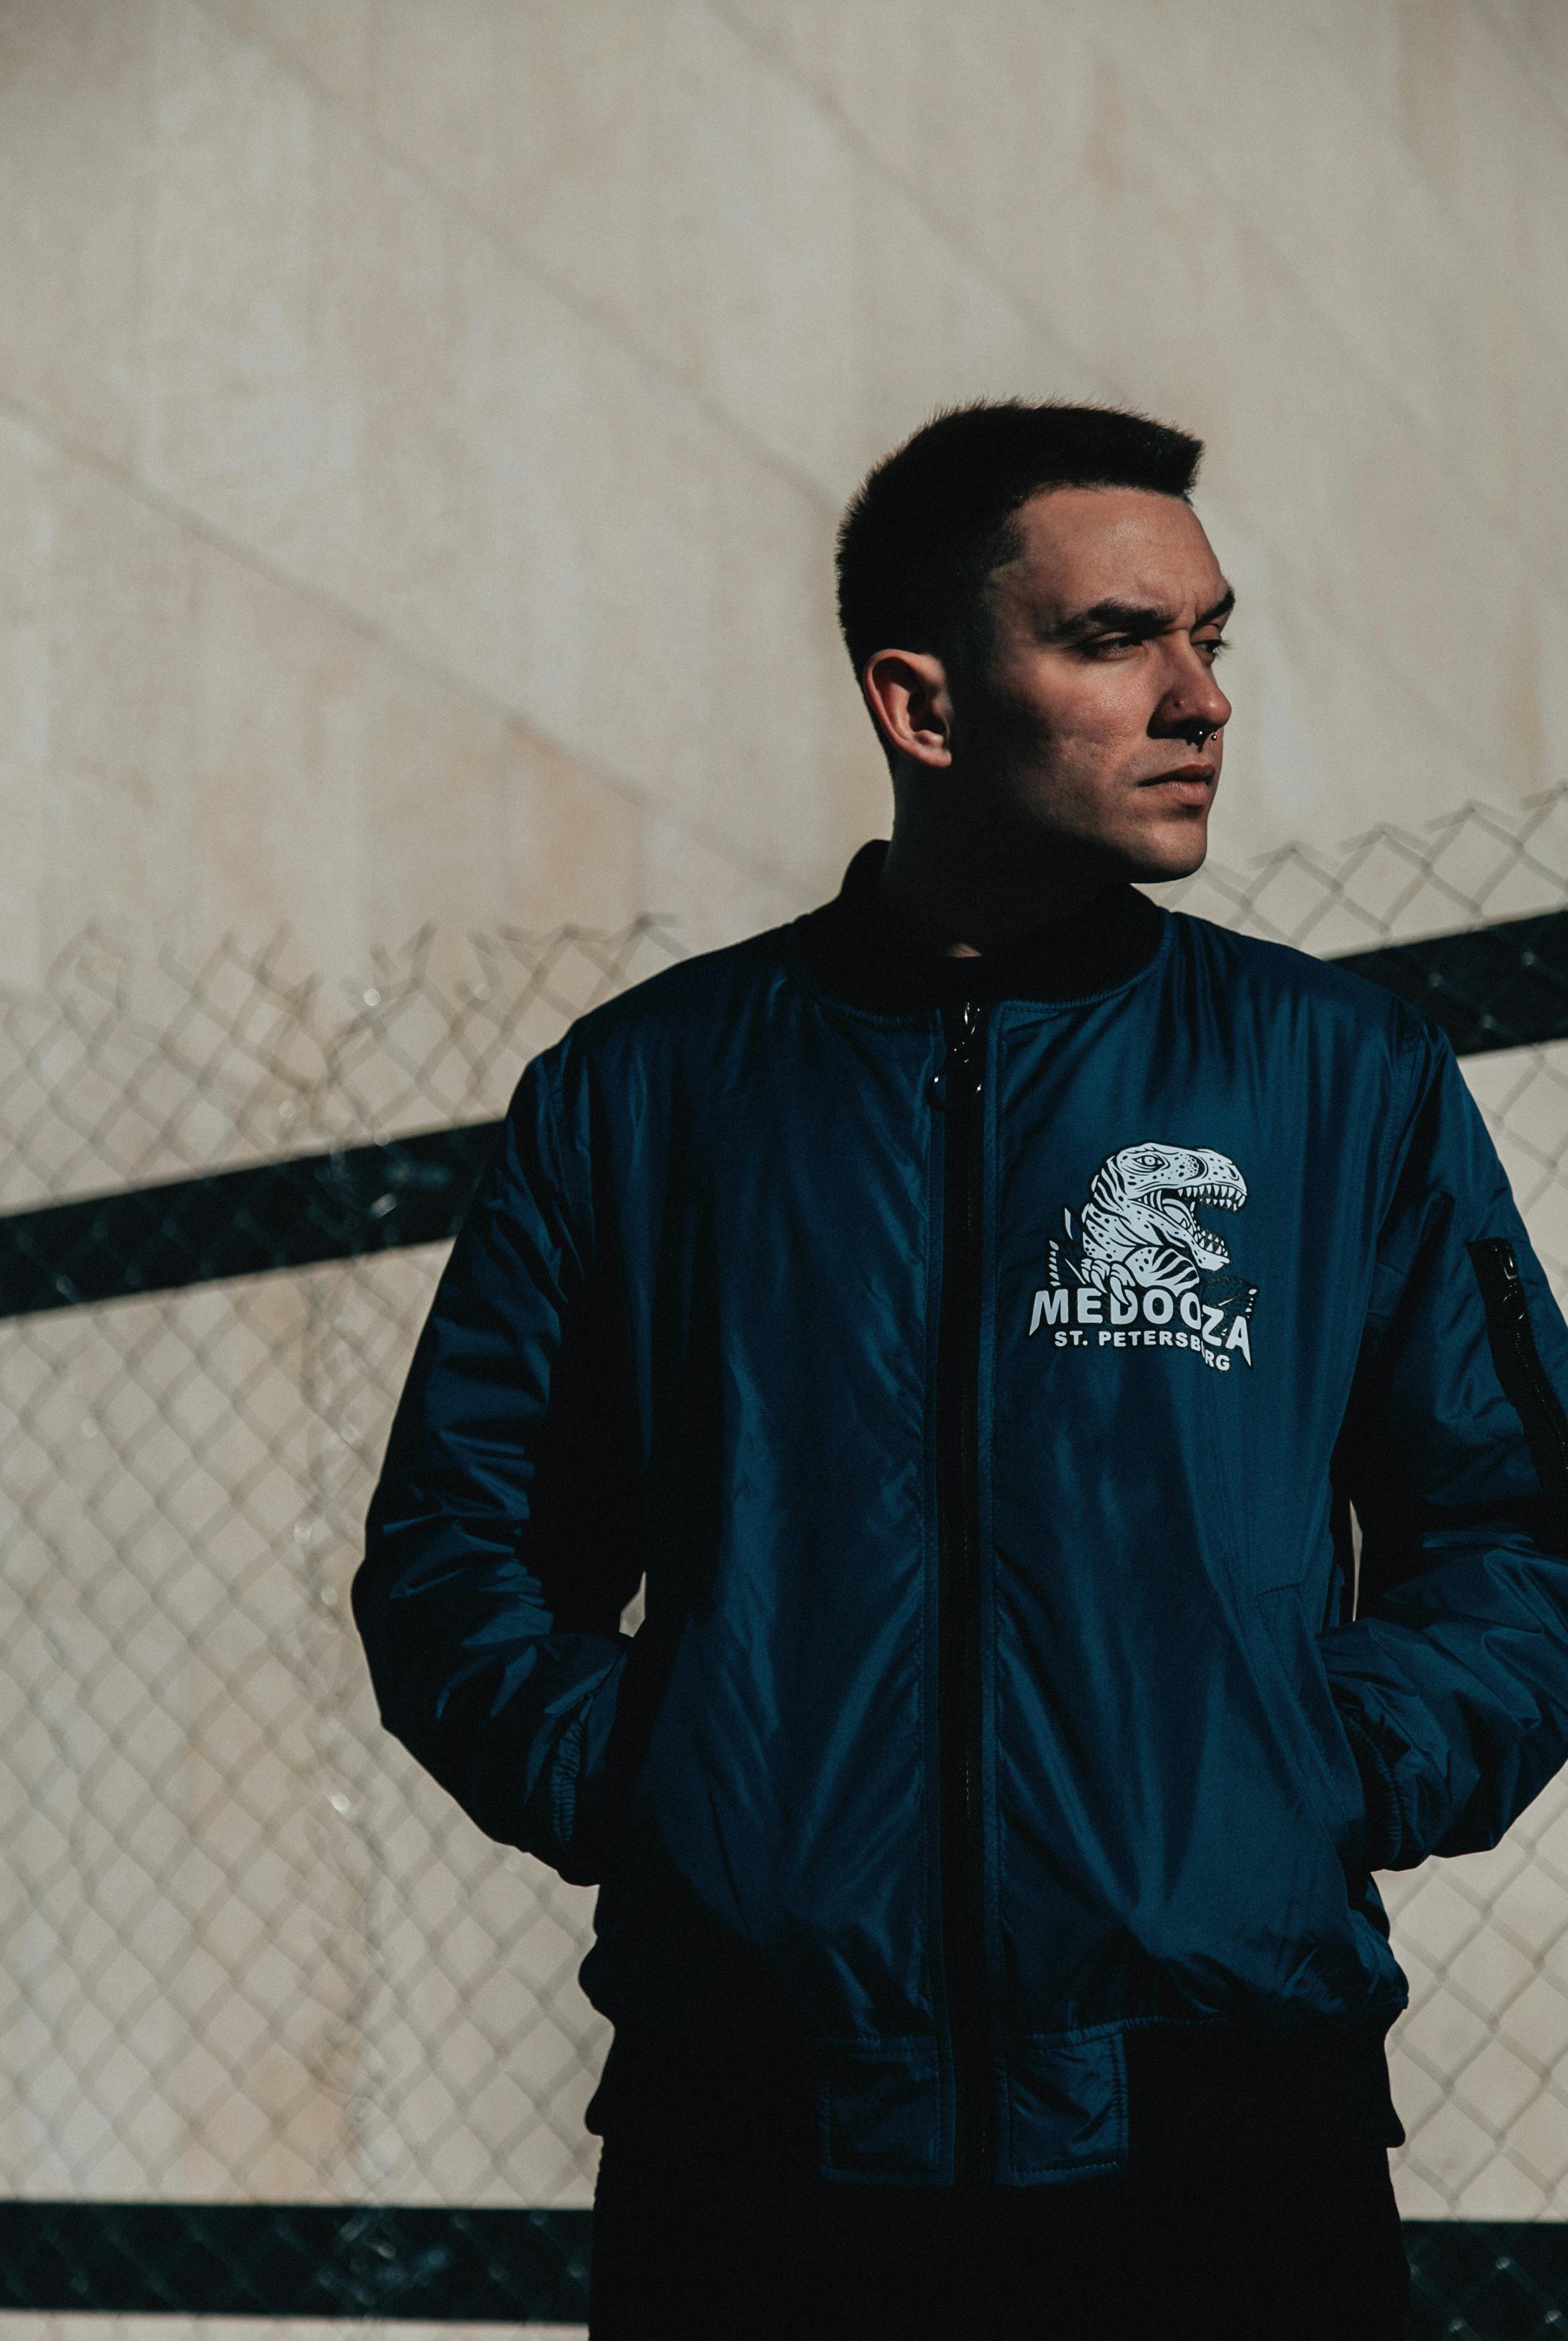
1472,2280
292,2259
291,1214
1496,987
1487,2280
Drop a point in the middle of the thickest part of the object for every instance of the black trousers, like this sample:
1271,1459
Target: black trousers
1303,2247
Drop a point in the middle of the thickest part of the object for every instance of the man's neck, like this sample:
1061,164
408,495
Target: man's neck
983,897
858,952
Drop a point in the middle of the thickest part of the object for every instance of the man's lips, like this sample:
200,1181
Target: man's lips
1190,784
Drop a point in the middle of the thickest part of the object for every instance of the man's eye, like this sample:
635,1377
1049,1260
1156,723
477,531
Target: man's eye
1103,643
1213,649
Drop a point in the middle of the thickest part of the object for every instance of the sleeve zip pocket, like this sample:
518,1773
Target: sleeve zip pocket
1526,1383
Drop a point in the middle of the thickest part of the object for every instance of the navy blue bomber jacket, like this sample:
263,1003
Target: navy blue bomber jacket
980,1363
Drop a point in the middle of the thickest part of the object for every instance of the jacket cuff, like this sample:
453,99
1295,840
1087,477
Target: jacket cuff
1385,1821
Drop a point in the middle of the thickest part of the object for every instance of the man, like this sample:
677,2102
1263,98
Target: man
976,1310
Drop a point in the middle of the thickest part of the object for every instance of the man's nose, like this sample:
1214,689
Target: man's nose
1193,705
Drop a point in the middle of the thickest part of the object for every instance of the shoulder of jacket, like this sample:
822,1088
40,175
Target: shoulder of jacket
1271,972
701,992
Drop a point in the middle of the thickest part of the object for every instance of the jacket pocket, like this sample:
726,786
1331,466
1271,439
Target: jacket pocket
1526,1383
881,2109
602,1800
1331,1778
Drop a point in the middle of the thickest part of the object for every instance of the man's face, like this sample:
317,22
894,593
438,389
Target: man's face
1104,630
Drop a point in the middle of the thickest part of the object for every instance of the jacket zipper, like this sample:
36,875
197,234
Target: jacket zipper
958,1092
1525,1385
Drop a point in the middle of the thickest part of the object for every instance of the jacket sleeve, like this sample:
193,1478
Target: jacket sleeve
1452,1681
497,1555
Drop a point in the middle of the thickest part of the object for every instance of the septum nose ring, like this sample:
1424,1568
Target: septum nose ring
1203,732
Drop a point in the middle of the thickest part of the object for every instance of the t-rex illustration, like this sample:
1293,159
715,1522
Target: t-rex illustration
1140,1226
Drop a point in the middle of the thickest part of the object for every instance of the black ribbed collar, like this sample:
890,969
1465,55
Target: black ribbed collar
856,955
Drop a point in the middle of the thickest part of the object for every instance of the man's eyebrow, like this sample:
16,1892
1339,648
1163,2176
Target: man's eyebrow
1140,619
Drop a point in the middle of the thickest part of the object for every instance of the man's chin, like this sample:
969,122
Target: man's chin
1173,854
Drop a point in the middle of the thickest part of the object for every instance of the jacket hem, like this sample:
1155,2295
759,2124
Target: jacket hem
1144,2096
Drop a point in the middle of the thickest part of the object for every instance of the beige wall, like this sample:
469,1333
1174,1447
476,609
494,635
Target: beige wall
422,428
422,421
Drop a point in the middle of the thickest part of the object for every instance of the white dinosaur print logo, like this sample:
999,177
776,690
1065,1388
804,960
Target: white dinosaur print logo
1145,1271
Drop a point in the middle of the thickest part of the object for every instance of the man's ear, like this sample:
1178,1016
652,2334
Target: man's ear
906,693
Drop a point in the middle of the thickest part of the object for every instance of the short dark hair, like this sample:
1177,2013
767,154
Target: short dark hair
932,521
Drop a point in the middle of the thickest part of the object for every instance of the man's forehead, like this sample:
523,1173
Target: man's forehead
1079,547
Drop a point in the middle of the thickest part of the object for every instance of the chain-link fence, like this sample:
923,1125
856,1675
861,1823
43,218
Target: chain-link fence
257,1956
